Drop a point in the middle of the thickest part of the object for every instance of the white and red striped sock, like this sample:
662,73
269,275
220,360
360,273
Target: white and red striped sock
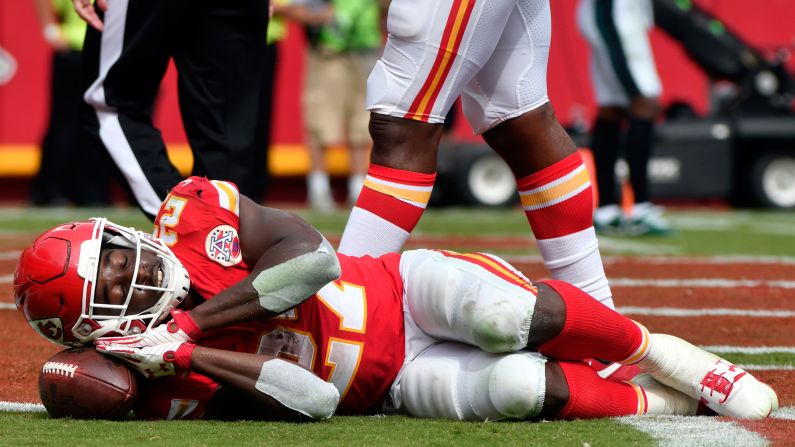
389,206
558,203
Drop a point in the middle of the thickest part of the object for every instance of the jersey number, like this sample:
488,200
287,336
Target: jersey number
169,218
347,301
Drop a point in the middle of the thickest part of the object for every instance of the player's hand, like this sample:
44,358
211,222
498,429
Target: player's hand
181,328
154,361
54,37
86,11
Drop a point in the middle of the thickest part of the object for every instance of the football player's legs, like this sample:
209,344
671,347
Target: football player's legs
127,74
722,386
358,134
633,63
471,298
324,117
481,300
512,109
221,64
434,49
591,330
455,381
583,394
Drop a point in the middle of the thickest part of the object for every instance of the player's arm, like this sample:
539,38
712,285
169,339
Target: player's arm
48,19
305,15
85,9
281,389
278,388
291,259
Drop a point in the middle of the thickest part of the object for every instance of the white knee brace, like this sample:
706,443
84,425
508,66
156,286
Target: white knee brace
456,381
517,386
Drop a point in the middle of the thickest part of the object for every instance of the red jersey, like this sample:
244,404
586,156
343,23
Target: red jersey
350,333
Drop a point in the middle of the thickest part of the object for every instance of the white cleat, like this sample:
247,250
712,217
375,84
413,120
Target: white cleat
664,400
723,387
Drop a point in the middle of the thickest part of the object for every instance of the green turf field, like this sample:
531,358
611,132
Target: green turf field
38,430
702,232
698,233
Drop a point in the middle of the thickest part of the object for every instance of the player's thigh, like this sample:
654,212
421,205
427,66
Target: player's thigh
433,51
323,99
607,87
126,71
514,79
221,66
622,63
475,298
456,381
633,22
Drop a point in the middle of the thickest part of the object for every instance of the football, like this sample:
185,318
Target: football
81,383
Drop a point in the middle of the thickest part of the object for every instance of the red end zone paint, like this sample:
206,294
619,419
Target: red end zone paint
23,358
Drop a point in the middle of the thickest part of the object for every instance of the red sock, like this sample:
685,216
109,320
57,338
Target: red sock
558,203
558,199
594,331
389,206
591,396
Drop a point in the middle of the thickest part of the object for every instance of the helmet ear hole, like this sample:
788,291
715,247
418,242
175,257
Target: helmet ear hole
20,301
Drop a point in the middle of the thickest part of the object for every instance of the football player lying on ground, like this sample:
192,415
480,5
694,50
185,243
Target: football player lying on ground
433,333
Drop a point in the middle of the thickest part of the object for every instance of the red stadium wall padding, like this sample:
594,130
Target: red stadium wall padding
23,100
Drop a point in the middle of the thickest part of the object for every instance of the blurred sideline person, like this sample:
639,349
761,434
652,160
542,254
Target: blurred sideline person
344,40
218,48
63,152
493,54
277,32
627,90
255,295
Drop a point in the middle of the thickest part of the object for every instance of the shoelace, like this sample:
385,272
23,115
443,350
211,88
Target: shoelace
718,383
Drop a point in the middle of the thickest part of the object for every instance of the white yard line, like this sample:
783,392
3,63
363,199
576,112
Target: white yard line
11,255
704,260
748,367
681,312
678,260
690,431
728,349
7,306
22,407
6,279
786,413
717,283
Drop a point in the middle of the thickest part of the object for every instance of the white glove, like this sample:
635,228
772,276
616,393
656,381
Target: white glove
153,361
181,328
